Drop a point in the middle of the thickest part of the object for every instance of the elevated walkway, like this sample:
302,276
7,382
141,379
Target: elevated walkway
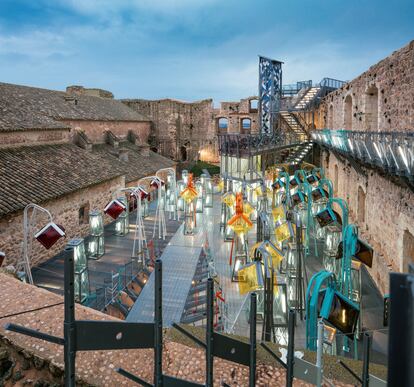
179,261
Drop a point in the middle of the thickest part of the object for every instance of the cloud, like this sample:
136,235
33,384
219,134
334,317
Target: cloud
108,8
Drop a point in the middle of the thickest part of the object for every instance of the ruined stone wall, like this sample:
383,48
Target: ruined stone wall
381,98
95,130
180,129
33,137
381,209
235,112
188,131
65,211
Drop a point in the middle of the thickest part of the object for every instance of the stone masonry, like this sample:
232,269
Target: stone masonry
187,131
380,99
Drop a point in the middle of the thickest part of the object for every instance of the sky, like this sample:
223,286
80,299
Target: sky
194,49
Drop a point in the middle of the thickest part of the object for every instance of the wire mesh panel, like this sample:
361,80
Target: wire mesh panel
270,89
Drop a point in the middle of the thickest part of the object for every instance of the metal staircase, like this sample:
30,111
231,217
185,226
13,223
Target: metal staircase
307,97
294,107
292,123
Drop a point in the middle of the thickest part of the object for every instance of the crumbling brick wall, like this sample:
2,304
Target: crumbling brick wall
180,129
380,99
188,130
235,113
393,80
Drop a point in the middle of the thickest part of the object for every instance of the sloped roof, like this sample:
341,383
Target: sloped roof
137,165
23,107
34,174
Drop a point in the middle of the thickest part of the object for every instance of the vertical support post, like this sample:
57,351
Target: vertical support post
268,316
158,324
365,365
209,334
253,317
69,319
291,348
319,352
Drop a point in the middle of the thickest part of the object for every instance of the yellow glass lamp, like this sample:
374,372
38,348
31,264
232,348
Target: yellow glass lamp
283,232
220,185
248,279
278,214
247,208
229,199
240,222
189,193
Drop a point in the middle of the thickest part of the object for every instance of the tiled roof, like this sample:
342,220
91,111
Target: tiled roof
34,174
137,165
23,107
44,172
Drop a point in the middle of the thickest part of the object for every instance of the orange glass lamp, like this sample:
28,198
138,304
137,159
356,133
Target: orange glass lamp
189,194
240,224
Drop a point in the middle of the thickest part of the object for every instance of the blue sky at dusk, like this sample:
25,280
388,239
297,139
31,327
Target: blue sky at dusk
193,49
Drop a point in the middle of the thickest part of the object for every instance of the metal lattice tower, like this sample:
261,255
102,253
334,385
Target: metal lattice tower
270,91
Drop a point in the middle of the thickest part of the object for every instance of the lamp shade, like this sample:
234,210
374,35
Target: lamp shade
363,252
50,234
343,313
278,184
156,182
319,193
298,197
114,208
311,179
328,216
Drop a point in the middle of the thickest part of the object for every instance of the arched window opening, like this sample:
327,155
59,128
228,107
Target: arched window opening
253,105
246,125
183,152
223,124
348,113
371,109
361,205
408,249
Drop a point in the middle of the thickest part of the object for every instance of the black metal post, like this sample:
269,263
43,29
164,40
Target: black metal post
365,364
209,333
267,310
291,348
158,325
69,319
253,317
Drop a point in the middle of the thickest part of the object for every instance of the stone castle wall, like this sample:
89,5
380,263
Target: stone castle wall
65,211
382,210
188,130
380,99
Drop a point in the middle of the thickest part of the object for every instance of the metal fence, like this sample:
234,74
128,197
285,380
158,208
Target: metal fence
391,151
113,283
243,145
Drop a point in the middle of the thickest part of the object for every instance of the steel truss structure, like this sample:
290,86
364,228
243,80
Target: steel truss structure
392,152
270,92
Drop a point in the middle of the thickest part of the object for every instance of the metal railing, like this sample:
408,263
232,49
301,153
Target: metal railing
390,151
239,144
